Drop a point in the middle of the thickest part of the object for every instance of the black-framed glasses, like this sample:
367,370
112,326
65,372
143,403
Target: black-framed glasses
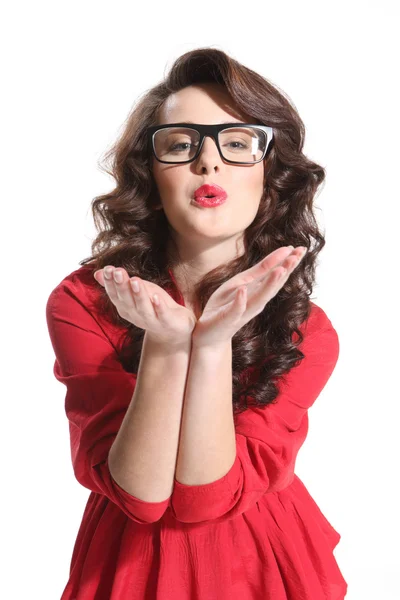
238,143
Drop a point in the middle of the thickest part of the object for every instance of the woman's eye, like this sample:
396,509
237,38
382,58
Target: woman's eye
239,143
175,147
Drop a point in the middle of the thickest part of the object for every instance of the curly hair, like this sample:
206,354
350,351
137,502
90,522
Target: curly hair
133,235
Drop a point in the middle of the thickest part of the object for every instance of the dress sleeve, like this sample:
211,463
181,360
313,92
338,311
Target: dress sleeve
98,393
268,438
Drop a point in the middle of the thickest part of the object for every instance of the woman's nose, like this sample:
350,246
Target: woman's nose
207,148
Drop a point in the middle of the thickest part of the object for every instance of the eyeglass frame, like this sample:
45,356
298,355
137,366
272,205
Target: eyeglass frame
210,131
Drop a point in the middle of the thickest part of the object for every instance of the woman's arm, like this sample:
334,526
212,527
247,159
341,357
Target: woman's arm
207,446
142,458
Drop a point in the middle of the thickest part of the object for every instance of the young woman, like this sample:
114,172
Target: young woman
191,351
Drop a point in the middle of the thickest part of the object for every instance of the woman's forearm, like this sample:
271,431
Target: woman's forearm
142,459
207,443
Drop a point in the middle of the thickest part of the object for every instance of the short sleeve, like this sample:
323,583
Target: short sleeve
98,393
268,438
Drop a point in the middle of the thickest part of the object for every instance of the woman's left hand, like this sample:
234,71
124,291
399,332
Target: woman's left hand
244,296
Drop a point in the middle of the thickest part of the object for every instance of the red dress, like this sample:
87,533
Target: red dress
254,534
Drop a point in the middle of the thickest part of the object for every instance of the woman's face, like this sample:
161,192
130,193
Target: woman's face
190,224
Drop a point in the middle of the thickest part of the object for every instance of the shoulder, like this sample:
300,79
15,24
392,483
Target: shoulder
79,284
316,322
79,297
319,335
320,343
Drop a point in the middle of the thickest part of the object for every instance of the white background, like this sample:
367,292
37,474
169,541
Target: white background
71,73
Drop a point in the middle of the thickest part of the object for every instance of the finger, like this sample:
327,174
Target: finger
141,298
99,277
124,288
265,265
269,286
122,293
240,301
242,296
109,283
291,262
287,259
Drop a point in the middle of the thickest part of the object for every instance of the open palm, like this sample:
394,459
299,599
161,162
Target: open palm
244,296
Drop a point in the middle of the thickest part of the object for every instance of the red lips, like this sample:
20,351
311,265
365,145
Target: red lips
210,190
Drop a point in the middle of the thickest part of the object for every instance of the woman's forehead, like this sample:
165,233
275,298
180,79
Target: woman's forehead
208,108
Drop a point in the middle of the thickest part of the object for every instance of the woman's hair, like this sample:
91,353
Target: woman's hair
133,235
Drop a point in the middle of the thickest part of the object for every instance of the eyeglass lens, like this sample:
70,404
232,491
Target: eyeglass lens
238,144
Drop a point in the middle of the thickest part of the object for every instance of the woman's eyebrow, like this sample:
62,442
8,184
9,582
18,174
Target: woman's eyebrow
222,122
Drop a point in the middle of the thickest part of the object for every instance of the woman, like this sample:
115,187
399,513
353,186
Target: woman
188,397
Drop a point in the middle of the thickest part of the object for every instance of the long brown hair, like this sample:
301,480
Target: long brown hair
133,235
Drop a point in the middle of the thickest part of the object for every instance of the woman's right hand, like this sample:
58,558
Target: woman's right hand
166,322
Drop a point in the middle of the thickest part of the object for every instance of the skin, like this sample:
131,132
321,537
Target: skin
230,307
206,238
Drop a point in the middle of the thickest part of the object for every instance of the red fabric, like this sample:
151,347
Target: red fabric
254,534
